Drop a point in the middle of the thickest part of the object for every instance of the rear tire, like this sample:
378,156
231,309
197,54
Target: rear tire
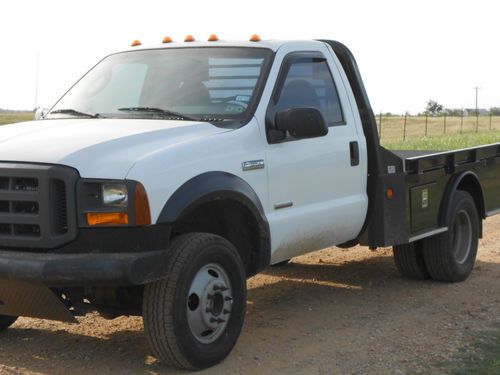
409,260
450,256
193,317
6,321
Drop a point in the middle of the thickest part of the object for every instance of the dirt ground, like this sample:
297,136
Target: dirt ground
333,311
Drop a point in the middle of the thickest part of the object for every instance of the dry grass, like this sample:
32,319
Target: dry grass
10,118
393,128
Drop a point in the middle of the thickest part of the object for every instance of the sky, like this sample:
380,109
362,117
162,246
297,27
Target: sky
407,51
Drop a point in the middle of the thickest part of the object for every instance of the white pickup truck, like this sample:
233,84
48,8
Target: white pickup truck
169,174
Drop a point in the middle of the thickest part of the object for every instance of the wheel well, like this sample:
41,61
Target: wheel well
470,184
233,221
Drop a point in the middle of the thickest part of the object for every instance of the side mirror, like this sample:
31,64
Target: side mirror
40,113
302,122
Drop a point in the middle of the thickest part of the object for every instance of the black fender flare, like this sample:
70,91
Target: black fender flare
474,188
216,185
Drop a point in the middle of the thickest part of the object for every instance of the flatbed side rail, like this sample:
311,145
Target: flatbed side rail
451,160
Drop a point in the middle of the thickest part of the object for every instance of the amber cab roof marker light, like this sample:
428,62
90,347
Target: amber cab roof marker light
189,38
167,39
213,38
255,38
136,43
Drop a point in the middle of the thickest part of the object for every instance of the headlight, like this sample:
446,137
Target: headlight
112,202
115,195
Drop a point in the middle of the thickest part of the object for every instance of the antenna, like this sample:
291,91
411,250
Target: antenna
36,77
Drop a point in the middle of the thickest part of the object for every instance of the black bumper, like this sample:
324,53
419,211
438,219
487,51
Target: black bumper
92,269
118,256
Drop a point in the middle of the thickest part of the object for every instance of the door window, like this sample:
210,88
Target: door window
309,83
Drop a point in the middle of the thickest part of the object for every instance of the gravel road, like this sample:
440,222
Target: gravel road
333,311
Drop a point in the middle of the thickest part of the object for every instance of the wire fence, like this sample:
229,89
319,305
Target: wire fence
408,127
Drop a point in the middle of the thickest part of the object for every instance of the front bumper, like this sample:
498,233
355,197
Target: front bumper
92,269
31,282
113,256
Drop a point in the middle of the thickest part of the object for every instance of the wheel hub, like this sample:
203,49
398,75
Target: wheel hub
462,236
209,303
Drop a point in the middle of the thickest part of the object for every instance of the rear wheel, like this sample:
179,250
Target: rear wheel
193,318
6,321
450,256
410,261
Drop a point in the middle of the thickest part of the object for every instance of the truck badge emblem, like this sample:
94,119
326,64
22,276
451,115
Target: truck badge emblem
252,164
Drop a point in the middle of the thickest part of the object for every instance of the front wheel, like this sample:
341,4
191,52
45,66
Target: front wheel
194,316
450,256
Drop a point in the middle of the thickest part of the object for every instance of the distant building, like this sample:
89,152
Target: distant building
472,111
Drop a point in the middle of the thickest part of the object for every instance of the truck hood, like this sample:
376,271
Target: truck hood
97,148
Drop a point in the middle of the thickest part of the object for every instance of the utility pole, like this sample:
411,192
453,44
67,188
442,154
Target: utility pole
477,109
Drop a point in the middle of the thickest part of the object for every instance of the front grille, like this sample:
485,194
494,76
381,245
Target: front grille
60,215
34,210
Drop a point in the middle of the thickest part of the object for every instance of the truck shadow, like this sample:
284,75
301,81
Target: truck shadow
277,299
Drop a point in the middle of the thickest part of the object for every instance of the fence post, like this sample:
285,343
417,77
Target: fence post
380,124
426,115
404,128
462,121
444,127
490,118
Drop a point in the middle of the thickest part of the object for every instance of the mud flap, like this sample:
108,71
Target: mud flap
21,298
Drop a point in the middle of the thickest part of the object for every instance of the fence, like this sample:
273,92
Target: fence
409,127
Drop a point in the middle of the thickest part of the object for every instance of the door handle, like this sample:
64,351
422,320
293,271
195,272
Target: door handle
354,151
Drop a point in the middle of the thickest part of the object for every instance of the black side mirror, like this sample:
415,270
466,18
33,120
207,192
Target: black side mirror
302,122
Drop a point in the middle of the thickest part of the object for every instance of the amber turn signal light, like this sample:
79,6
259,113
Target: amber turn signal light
255,38
142,213
189,38
136,43
107,218
213,38
167,39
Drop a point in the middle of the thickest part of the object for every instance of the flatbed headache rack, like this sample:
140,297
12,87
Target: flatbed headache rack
409,192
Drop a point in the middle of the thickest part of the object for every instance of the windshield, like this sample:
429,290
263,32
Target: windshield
208,84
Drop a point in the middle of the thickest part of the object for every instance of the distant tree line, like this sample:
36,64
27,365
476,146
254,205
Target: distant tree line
434,108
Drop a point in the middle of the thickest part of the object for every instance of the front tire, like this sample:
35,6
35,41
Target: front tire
194,316
450,256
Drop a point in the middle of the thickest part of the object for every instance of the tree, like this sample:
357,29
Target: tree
454,111
433,108
495,111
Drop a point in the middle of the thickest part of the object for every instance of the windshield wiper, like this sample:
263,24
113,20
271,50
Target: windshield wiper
159,111
74,112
